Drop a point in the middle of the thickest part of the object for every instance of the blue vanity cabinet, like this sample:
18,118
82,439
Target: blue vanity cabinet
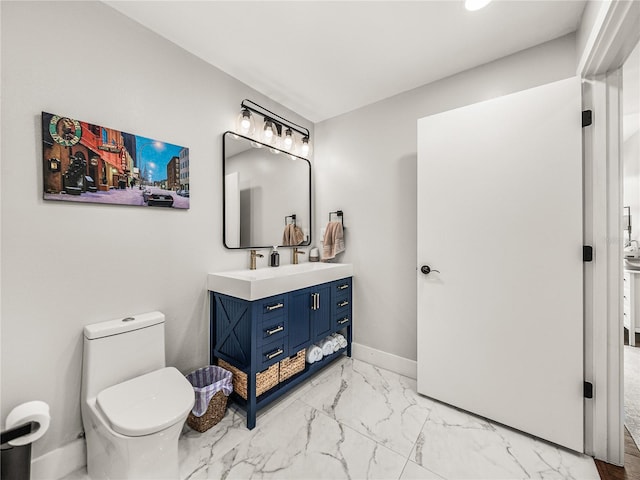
253,335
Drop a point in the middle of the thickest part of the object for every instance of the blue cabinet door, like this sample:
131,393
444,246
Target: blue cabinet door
321,311
300,332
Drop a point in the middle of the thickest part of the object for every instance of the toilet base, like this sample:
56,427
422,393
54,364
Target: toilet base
114,456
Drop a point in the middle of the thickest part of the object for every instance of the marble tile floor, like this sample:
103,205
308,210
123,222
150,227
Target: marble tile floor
357,421
632,391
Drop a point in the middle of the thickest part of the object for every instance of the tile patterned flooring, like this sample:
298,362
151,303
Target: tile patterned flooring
632,391
356,421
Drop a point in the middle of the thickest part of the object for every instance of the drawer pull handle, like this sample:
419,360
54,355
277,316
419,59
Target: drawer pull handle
344,320
275,307
274,354
279,328
343,287
344,303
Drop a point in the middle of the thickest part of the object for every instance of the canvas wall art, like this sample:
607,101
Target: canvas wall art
88,163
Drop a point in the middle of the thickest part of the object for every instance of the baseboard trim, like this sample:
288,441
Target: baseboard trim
388,361
60,462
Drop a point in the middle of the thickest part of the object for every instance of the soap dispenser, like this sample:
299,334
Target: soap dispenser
275,257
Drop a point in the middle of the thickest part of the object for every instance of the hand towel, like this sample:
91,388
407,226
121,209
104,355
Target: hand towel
333,242
314,353
292,235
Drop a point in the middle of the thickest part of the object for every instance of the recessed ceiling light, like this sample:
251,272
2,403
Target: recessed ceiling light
473,5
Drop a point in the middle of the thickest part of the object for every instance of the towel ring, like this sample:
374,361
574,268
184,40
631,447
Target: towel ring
292,217
339,214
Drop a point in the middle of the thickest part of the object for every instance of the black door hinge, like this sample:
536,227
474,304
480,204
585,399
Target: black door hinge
587,118
588,390
587,253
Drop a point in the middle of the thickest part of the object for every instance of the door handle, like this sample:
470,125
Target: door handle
426,269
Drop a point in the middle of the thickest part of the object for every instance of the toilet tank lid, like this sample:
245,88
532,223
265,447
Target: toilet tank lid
122,325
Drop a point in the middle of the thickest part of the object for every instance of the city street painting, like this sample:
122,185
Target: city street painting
88,163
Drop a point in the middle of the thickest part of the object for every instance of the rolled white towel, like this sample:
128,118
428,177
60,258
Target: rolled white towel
334,342
314,353
340,340
326,346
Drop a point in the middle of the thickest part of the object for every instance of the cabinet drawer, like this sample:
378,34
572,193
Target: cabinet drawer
272,329
341,287
272,352
272,307
342,306
342,321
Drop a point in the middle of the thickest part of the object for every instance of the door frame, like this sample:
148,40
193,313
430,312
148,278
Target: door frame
615,33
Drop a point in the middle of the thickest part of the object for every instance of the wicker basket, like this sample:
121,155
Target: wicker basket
265,380
215,412
292,365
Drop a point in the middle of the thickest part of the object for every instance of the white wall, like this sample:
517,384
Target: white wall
66,265
631,138
631,181
365,164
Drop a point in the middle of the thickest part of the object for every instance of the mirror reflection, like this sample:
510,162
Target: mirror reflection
267,195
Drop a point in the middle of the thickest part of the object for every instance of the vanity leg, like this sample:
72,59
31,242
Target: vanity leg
349,341
251,400
212,329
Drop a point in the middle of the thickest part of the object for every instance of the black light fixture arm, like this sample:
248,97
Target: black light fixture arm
260,110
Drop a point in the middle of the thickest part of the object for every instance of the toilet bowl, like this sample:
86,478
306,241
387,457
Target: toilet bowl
133,407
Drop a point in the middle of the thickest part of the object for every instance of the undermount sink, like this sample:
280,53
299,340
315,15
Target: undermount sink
632,263
268,281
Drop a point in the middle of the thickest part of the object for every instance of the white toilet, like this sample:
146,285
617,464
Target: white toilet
133,407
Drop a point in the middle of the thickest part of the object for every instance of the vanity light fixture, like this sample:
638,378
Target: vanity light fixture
473,5
275,131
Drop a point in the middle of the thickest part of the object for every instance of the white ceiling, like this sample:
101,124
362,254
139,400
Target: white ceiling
325,58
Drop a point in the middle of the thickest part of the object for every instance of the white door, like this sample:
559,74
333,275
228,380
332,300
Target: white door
500,328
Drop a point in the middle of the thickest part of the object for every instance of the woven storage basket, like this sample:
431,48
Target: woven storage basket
215,411
264,380
292,365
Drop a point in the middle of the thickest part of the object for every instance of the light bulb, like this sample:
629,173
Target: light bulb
245,124
305,148
473,5
287,142
268,133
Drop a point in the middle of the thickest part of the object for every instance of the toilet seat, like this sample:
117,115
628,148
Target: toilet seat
147,404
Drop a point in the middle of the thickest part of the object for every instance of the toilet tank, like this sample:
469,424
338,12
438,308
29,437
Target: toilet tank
121,349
